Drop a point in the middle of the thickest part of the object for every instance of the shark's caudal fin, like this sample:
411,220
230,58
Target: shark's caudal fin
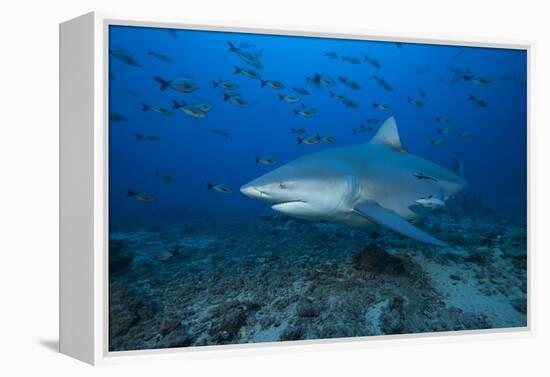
386,217
388,135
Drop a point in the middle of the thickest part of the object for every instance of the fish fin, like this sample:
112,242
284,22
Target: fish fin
232,47
131,193
209,186
214,84
295,112
388,135
145,107
139,137
263,82
299,139
226,96
176,104
281,97
471,97
257,159
374,104
163,83
386,217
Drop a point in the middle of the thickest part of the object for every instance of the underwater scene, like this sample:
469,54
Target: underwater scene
267,188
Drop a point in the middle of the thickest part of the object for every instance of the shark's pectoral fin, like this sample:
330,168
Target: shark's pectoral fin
383,216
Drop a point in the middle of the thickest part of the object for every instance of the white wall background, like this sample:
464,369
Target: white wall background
29,188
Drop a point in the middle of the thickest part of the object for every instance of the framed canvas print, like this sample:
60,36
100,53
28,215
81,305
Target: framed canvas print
224,185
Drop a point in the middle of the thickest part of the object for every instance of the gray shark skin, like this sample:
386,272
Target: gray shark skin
376,183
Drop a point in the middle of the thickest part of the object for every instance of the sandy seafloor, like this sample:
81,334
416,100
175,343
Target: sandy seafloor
208,280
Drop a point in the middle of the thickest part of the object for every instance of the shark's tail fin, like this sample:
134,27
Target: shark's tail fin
131,193
237,69
226,96
281,97
300,140
145,107
209,186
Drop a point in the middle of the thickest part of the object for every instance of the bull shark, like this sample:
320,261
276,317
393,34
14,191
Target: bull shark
376,183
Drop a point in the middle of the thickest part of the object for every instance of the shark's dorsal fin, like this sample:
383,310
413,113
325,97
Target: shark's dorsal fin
388,135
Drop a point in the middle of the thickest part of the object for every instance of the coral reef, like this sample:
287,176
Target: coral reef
205,281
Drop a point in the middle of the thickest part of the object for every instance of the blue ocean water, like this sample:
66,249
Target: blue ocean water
491,140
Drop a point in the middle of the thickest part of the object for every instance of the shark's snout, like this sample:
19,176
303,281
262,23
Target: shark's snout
251,191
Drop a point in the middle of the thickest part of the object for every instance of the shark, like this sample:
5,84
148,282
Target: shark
375,183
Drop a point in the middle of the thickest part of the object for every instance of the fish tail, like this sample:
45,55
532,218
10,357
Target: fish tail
300,140
257,159
215,84
295,112
409,99
232,47
157,171
263,82
209,186
131,193
139,137
374,104
432,141
237,69
149,52
281,97
331,94
145,107
471,97
437,119
163,83
176,104
226,96
439,131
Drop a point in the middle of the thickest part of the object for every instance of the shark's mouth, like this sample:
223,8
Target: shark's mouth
280,205
288,201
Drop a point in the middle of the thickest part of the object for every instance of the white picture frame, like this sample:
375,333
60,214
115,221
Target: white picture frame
84,190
